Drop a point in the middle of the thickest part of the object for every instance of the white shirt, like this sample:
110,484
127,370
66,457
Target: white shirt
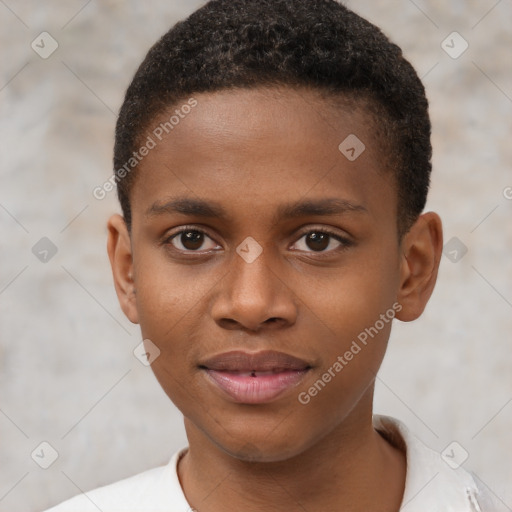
431,484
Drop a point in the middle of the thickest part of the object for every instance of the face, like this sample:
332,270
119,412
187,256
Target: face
266,267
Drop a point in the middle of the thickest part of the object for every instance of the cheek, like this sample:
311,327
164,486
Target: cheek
168,292
353,297
172,304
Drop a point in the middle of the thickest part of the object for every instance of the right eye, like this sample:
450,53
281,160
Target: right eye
190,240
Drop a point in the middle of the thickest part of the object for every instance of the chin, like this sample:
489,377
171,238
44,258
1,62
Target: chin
252,453
262,447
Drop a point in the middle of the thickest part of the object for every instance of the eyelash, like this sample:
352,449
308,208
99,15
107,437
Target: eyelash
345,242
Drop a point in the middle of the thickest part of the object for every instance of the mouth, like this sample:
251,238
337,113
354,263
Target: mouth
254,378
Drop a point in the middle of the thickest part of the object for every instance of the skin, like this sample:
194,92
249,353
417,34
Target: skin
252,151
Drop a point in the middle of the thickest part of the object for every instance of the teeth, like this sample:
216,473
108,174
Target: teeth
257,373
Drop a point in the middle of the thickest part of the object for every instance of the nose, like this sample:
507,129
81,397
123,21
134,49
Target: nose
254,296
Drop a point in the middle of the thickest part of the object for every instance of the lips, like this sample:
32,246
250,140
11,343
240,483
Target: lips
253,378
260,362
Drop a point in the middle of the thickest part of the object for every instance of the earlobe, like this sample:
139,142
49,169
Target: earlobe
421,254
121,260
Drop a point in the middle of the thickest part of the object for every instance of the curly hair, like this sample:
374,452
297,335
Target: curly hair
317,44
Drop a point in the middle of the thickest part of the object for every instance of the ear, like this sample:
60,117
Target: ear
121,260
421,250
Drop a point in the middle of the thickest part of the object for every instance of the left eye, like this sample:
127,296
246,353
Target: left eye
190,240
319,241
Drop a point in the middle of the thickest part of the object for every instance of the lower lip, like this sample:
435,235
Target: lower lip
256,390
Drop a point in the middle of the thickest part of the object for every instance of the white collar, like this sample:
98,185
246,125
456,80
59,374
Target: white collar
431,484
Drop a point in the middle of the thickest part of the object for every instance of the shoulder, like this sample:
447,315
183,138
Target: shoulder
435,481
148,491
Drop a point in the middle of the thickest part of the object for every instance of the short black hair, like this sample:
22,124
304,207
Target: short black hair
318,44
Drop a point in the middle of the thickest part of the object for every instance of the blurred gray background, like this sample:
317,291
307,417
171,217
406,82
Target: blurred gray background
68,376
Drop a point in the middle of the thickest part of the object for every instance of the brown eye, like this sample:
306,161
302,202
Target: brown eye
317,241
321,241
190,240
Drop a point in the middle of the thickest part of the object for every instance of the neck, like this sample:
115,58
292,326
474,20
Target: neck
353,467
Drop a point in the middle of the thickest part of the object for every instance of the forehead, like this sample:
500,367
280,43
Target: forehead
245,146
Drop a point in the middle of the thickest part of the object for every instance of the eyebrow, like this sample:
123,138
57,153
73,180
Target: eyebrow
212,209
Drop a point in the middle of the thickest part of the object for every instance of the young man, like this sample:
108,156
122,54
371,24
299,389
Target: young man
272,160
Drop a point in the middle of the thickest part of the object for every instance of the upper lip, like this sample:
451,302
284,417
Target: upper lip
268,360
